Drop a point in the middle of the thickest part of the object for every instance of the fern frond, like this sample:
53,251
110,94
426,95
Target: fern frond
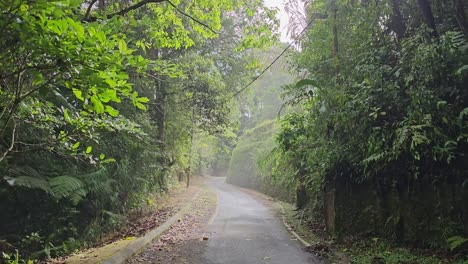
29,182
67,187
29,178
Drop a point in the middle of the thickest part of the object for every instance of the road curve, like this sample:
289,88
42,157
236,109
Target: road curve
244,231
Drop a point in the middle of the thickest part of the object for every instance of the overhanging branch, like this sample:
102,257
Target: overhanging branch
124,11
89,18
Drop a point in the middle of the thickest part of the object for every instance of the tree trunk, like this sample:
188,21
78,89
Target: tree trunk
398,25
159,115
428,17
101,5
335,37
460,16
330,211
189,173
301,195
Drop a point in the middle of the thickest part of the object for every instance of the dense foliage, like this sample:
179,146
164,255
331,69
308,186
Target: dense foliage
102,104
380,144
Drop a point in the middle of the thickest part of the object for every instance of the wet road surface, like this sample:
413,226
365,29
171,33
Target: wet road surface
246,231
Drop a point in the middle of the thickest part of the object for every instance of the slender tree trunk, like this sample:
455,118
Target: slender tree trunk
428,17
330,213
461,16
159,114
335,37
101,5
189,173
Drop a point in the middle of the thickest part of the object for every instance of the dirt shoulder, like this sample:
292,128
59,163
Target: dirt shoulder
186,239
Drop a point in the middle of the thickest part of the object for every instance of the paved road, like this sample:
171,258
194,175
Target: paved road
247,232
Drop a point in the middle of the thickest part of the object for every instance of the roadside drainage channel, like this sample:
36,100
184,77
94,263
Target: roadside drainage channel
139,243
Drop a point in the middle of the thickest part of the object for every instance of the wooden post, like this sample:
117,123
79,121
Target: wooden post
330,211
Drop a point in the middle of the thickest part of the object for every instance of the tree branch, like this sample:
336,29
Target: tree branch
123,11
12,144
191,17
88,11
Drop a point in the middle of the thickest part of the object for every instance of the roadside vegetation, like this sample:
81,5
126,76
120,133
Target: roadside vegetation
361,122
373,147
106,105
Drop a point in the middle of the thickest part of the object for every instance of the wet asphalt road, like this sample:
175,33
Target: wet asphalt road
244,231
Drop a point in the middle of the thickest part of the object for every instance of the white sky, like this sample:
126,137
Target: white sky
282,15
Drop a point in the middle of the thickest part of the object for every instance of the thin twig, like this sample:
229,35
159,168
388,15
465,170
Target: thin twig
12,144
191,17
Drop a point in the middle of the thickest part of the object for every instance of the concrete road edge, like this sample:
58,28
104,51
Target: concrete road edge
139,243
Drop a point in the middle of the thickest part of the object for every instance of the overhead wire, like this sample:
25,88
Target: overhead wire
298,38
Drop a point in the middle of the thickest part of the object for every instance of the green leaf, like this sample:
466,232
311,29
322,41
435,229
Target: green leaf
37,78
456,241
108,95
66,115
111,111
97,104
102,156
143,100
123,47
76,145
111,160
462,70
89,149
441,104
306,82
140,106
78,94
67,187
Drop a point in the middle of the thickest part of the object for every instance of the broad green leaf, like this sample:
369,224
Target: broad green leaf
78,94
89,149
108,95
143,100
97,105
140,106
111,111
305,82
123,46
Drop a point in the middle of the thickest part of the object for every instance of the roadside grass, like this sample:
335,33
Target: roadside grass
377,251
296,220
359,250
